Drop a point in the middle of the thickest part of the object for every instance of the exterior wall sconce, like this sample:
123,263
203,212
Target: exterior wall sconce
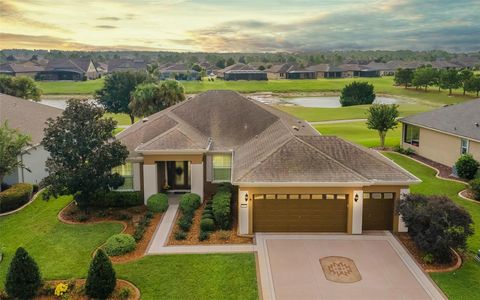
246,197
356,197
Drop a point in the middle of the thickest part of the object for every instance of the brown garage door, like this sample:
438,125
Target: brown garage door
378,211
300,213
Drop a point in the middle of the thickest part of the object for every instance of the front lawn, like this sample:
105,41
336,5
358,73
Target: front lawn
70,87
358,132
463,283
64,251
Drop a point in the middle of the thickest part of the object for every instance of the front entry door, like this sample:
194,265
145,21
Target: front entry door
178,175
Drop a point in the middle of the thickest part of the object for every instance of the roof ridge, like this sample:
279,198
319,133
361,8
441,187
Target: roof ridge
157,137
333,159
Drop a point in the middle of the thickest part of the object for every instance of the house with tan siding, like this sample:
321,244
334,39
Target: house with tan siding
443,135
286,176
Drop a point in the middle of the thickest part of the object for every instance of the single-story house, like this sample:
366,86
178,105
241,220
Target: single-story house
29,118
125,64
179,72
326,71
29,69
289,71
444,134
287,176
356,70
69,69
209,68
383,69
234,75
102,68
234,67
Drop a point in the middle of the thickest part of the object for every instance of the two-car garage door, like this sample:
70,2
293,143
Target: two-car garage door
300,213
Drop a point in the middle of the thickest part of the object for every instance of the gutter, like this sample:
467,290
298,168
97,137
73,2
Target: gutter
323,184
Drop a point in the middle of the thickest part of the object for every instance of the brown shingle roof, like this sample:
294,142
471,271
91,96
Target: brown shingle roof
27,116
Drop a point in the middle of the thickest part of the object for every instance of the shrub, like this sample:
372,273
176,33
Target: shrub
406,151
124,293
221,209
184,224
436,224
189,202
357,93
117,199
207,225
139,232
475,187
207,216
204,235
226,187
101,279
466,166
16,196
157,203
119,244
180,235
23,276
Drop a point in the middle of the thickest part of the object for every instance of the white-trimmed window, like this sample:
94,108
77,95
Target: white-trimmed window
411,135
126,171
464,145
222,167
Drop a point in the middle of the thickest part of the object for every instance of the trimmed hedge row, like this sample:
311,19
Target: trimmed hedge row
117,199
16,196
188,204
221,206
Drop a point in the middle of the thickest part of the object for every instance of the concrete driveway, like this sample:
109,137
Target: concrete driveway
290,268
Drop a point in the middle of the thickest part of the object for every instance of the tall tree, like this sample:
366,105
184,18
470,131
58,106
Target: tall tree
403,77
382,117
424,77
220,63
82,153
230,61
150,98
23,276
12,143
23,87
153,71
242,60
449,79
473,84
115,94
465,75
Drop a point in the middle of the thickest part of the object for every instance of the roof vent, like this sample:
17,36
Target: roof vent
476,124
144,120
295,128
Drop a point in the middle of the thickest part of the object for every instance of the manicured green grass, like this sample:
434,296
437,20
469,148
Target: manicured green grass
463,283
199,276
316,114
358,132
64,251
122,119
61,250
70,87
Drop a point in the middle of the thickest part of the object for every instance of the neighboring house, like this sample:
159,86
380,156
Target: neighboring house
210,69
29,69
69,69
234,67
286,176
289,71
102,68
234,75
442,64
383,69
326,71
356,70
125,64
29,118
179,72
443,135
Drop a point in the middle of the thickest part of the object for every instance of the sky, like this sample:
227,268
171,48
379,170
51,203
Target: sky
241,26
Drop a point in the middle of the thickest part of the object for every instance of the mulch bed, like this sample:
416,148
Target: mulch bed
419,254
76,290
444,171
128,217
217,237
468,194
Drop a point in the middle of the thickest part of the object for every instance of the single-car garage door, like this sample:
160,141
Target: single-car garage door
378,211
300,213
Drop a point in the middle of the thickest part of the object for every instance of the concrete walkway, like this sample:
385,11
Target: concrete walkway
158,245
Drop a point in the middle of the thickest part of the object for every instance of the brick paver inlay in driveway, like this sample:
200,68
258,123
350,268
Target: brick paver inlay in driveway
340,269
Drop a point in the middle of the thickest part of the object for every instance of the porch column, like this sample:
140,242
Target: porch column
357,214
197,180
137,170
243,212
401,225
150,180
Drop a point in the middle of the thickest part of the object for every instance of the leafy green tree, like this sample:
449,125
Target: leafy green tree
473,85
116,92
230,61
23,87
465,75
449,79
101,279
150,98
357,93
23,276
220,63
242,60
424,77
12,143
403,77
153,71
82,153
197,68
261,68
382,117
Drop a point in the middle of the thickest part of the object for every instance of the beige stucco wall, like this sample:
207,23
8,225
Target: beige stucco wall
273,76
308,190
441,147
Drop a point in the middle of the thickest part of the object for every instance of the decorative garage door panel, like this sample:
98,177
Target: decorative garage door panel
378,211
300,215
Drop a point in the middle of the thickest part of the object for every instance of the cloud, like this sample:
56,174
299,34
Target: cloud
108,19
105,26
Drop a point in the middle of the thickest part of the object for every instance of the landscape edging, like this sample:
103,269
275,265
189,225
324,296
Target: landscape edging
23,206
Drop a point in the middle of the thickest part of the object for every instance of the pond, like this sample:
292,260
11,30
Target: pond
58,103
329,102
